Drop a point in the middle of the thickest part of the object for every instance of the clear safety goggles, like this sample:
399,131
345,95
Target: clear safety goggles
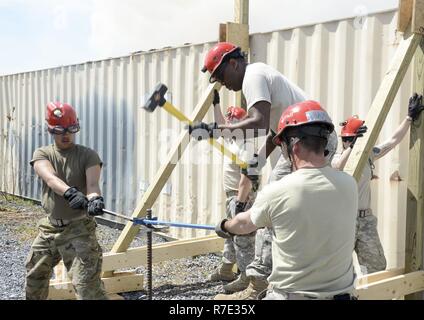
59,130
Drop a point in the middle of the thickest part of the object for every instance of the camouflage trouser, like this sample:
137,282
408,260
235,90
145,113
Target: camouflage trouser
240,249
77,245
261,266
368,246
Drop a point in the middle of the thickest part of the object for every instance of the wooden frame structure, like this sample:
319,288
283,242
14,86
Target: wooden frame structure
389,284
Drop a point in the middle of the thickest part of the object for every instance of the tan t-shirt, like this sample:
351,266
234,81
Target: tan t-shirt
70,166
312,213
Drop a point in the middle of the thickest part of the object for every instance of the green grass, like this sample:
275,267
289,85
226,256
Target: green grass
26,232
17,200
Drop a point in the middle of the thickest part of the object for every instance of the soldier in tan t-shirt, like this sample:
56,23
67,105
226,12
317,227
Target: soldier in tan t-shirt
71,198
311,213
367,244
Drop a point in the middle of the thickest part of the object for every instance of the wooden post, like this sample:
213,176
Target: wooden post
415,204
382,104
418,17
241,11
238,33
130,231
405,14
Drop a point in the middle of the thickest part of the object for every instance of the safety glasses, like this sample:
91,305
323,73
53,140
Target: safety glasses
59,130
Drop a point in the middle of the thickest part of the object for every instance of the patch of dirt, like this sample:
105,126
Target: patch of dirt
20,217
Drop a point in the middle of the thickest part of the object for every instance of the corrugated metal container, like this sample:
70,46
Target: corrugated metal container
339,63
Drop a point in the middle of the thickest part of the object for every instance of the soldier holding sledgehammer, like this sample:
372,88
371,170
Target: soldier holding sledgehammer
70,174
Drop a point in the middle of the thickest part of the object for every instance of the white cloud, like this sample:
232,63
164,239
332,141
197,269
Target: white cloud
120,27
123,26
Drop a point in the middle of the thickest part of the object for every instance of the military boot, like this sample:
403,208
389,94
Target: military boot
223,273
241,283
256,286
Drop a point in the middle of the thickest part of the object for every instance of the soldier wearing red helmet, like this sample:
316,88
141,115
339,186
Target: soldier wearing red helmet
238,250
367,244
71,197
267,93
311,212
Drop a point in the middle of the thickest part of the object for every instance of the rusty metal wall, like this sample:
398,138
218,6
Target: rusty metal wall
339,63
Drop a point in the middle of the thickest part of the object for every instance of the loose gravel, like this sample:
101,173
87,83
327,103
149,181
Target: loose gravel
181,279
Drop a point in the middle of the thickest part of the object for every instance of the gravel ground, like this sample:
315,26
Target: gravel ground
182,279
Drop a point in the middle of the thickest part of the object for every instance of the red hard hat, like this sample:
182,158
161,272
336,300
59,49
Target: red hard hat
216,55
351,126
306,112
60,114
235,113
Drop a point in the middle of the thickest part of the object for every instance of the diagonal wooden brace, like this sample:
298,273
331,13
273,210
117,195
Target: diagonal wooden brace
149,198
382,104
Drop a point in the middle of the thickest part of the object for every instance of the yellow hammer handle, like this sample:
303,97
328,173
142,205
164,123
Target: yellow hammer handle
175,112
180,116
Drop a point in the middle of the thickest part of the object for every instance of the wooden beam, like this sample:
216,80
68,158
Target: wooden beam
378,276
415,199
405,14
136,257
382,104
241,11
120,282
418,17
392,288
238,34
149,198
222,32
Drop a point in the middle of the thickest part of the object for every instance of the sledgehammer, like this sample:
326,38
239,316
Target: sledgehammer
157,99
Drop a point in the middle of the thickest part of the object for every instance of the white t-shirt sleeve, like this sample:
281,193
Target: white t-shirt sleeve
255,89
260,211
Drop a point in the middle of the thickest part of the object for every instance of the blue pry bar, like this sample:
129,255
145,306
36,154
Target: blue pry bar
155,221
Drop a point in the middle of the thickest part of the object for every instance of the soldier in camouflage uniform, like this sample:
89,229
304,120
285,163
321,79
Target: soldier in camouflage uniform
239,250
70,175
368,245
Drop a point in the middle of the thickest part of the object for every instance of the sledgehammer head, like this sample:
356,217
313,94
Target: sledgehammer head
157,98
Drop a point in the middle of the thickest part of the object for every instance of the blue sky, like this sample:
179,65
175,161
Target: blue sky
38,34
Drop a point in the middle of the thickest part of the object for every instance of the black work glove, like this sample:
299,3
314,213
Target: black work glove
77,200
221,232
201,130
415,106
359,133
216,98
240,206
253,171
95,206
